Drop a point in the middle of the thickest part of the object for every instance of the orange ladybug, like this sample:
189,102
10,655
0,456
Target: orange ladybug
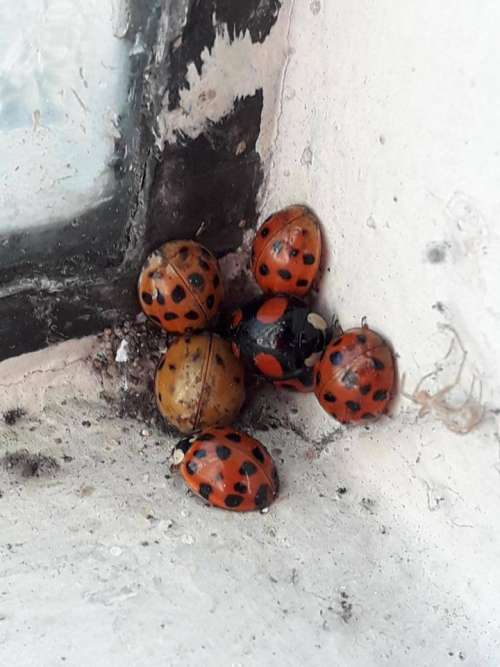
355,376
180,286
199,383
286,251
229,469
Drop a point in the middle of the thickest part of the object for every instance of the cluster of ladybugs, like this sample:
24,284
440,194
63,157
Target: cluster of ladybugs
199,382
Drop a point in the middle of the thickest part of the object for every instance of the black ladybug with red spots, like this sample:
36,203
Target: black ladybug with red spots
280,338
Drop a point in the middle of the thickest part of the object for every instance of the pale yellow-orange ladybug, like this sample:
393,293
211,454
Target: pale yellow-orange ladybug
199,383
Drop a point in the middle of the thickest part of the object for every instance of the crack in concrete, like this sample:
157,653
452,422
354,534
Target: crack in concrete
279,116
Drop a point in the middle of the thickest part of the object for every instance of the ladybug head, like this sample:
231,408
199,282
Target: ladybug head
312,339
180,451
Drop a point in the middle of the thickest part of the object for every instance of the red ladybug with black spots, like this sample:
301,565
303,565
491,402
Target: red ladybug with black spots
286,252
180,286
279,337
229,469
355,377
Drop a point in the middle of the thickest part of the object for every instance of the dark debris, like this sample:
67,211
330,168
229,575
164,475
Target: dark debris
26,464
12,416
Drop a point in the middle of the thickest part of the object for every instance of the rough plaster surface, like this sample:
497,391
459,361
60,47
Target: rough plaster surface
381,550
387,128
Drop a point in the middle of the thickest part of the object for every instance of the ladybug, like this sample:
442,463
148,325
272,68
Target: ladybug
199,383
286,251
355,377
229,469
180,286
278,337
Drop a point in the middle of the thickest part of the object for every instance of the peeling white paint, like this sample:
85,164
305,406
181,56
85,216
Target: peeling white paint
230,70
63,76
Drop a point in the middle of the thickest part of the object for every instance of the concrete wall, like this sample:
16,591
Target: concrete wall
388,128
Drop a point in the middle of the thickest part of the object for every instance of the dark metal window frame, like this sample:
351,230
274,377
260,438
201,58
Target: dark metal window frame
75,277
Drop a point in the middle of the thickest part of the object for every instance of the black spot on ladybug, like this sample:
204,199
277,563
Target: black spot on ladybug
262,496
200,453
264,232
248,468
169,316
263,270
353,406
367,415
178,294
183,445
286,275
240,488
329,398
258,453
223,452
318,377
361,338
294,252
203,264
155,319
350,379
365,389
234,437
308,259
160,298
172,367
147,298
191,315
205,490
203,437
232,500
219,360
161,364
184,253
191,467
277,247
196,280
210,301
380,395
301,282
336,358
216,281
377,364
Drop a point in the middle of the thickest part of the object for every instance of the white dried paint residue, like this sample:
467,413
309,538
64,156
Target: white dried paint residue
230,70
